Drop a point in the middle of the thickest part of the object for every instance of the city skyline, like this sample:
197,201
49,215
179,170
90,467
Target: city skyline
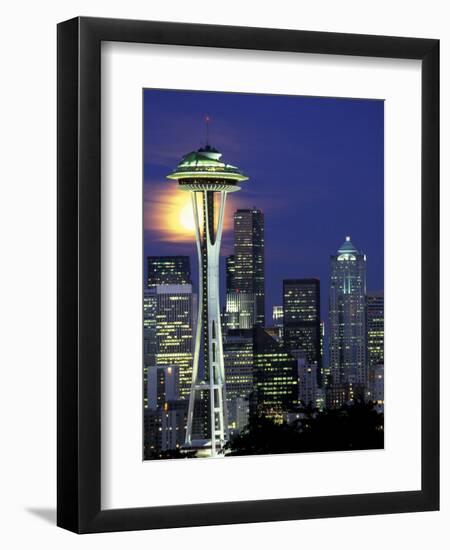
331,149
283,242
268,371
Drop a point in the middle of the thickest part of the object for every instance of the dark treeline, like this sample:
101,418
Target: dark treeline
352,427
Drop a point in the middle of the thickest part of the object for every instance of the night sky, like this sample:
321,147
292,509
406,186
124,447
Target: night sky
316,171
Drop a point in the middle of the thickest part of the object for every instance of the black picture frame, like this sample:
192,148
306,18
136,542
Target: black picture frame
79,280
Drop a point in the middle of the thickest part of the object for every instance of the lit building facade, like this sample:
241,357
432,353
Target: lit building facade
307,382
168,270
175,311
245,269
238,357
275,377
164,428
375,328
173,424
161,270
325,376
149,326
230,267
240,312
375,348
152,433
376,387
173,345
163,382
301,319
277,316
149,351
347,317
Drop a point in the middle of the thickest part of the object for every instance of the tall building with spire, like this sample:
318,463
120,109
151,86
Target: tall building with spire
208,179
347,317
245,269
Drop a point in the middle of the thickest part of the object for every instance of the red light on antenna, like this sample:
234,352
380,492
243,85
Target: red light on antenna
207,119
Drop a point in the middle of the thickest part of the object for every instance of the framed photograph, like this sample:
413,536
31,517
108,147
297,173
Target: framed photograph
248,233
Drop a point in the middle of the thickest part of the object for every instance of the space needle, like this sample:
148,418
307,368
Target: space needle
209,180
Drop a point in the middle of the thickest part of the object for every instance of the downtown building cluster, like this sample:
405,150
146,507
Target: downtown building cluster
275,365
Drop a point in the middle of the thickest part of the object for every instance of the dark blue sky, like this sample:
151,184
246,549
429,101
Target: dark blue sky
316,169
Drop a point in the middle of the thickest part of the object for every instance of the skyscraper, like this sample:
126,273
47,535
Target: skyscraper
347,311
165,412
238,357
275,377
245,269
230,270
175,307
168,341
149,350
162,386
376,387
208,180
301,318
375,348
307,382
168,270
173,424
375,328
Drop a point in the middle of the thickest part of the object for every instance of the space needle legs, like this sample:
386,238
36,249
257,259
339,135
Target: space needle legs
208,383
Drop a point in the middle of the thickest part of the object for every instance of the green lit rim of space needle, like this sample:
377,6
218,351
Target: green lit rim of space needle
206,164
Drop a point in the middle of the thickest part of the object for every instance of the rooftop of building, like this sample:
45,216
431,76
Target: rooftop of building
347,247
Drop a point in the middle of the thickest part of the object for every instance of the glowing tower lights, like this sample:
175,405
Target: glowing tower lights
209,180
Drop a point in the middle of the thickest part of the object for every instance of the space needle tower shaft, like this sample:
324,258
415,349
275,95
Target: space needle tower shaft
209,180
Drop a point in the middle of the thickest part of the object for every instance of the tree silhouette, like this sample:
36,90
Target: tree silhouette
352,427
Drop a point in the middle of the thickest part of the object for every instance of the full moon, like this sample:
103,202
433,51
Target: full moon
169,214
186,217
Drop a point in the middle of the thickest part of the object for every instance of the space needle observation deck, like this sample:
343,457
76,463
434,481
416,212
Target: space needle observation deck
209,180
